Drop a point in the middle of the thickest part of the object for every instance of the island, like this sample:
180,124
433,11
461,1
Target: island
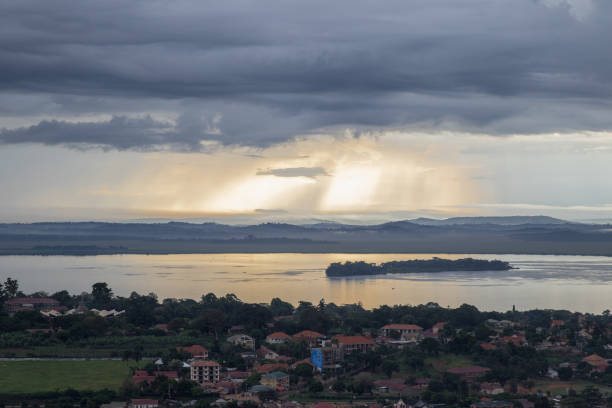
415,266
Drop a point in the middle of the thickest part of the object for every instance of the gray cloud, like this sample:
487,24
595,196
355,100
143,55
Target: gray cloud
311,172
254,74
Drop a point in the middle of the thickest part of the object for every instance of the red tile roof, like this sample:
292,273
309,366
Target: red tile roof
268,368
305,334
353,340
195,350
278,335
144,401
205,363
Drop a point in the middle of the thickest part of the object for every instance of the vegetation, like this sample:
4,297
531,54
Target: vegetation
18,377
415,266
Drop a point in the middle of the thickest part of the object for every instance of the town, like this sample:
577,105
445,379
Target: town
98,349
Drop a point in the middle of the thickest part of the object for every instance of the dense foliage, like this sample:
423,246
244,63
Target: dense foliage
415,266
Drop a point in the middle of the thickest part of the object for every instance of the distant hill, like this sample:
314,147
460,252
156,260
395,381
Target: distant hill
463,235
512,220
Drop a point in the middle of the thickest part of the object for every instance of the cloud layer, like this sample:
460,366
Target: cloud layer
147,75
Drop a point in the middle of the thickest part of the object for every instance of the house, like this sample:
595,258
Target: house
239,328
277,338
516,339
205,371
30,303
227,387
313,338
267,354
350,344
162,326
141,376
400,404
196,351
276,379
406,331
438,327
494,388
242,340
144,403
556,323
499,324
487,346
469,372
238,376
268,368
598,362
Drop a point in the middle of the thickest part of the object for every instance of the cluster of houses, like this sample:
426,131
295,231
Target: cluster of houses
52,308
328,355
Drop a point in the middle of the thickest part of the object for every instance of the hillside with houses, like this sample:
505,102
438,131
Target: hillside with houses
222,352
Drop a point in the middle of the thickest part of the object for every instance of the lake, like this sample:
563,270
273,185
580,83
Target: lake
577,283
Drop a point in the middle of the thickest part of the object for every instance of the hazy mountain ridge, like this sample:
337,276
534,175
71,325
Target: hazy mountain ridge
460,235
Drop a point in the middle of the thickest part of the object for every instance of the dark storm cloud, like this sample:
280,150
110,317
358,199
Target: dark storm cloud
256,73
311,172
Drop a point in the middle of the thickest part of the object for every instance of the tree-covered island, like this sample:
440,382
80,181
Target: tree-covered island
415,266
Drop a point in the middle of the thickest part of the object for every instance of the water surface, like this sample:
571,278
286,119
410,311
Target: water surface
577,283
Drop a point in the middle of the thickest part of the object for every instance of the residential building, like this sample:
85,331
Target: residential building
489,388
267,354
196,351
405,331
242,340
144,403
275,380
596,361
277,338
29,303
313,338
351,344
205,371
268,368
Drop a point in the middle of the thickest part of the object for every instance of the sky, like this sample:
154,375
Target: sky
351,111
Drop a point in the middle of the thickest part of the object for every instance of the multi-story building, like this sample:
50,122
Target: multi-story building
205,371
406,331
350,344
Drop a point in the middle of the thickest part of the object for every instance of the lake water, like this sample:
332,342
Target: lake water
577,283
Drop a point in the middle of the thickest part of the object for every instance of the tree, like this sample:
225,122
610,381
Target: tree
102,294
280,308
430,346
389,366
565,373
11,287
303,370
339,386
210,321
315,386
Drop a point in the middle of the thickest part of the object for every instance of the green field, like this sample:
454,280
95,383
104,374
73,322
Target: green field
38,376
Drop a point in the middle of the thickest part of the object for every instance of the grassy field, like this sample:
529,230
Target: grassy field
560,387
444,362
39,376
